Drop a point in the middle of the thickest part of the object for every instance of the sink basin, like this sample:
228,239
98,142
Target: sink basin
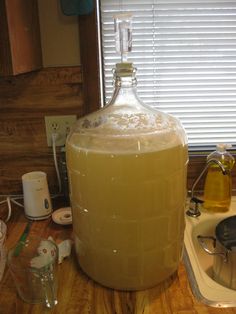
199,264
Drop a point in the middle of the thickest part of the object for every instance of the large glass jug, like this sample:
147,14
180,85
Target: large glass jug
127,173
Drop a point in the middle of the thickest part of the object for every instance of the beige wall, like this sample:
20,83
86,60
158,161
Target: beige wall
59,35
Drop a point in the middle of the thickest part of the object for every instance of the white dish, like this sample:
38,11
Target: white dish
62,216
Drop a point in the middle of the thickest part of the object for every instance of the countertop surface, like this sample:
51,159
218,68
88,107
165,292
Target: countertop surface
79,294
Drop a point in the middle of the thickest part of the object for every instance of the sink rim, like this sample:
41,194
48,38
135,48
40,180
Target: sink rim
203,286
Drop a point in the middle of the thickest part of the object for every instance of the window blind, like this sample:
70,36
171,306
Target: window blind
185,55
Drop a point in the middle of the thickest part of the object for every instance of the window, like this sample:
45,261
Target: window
185,54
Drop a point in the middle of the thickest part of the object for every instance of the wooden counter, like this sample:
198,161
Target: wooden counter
79,294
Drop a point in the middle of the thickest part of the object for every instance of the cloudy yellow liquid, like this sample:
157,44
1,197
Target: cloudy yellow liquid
217,190
128,214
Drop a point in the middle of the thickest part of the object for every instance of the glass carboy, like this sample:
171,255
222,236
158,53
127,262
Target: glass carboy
127,166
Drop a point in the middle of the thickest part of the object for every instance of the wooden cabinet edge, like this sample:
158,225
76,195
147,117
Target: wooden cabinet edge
20,42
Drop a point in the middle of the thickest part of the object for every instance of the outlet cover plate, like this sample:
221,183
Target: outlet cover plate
60,125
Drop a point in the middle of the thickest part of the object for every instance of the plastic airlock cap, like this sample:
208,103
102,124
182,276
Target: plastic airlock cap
123,34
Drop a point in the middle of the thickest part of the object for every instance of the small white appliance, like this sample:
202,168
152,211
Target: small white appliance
37,201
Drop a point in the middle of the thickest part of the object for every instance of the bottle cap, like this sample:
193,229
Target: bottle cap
221,147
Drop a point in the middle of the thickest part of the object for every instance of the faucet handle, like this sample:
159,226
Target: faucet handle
193,210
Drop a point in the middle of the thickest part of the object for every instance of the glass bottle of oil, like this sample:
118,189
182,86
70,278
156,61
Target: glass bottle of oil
218,186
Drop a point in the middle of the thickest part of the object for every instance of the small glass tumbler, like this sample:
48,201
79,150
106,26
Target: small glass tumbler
33,266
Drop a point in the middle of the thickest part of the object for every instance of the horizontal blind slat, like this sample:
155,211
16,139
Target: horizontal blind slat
185,53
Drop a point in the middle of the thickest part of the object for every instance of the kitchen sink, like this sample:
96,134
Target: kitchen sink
199,264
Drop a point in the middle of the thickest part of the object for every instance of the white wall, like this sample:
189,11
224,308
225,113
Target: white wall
59,35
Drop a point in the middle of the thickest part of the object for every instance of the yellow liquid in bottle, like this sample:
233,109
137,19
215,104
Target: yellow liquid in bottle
217,190
128,214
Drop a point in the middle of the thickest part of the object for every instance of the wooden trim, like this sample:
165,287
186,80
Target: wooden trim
5,49
89,60
20,45
46,76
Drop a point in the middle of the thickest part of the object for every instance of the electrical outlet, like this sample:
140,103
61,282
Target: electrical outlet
60,125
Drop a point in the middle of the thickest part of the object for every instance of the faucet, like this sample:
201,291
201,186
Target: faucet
195,202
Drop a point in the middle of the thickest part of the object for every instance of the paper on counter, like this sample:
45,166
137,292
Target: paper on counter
44,257
64,249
